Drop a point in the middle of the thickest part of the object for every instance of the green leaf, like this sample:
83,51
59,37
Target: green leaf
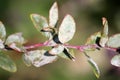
114,41
39,57
16,41
6,63
93,65
2,32
53,15
92,39
116,60
67,29
104,35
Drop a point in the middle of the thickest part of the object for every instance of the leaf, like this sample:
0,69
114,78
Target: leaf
26,60
105,25
15,41
2,32
56,50
15,38
114,41
46,58
2,35
1,44
116,60
6,63
67,29
93,39
39,57
104,36
32,57
93,65
103,41
39,21
53,15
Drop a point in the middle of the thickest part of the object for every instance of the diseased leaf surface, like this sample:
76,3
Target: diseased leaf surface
2,31
114,41
15,41
57,50
53,15
2,35
103,41
1,44
6,63
15,38
26,60
38,58
39,21
67,29
116,60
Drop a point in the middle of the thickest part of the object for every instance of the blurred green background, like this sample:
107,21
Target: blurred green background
87,14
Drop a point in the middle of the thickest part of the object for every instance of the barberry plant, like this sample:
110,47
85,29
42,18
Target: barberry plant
57,41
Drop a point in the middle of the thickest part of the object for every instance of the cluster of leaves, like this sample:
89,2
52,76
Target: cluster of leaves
13,42
57,40
102,40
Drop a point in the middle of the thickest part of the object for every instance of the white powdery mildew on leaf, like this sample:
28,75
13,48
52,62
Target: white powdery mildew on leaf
45,60
1,44
38,58
67,29
57,50
26,60
103,41
114,41
15,38
33,57
53,15
116,61
39,21
104,35
16,41
16,47
2,32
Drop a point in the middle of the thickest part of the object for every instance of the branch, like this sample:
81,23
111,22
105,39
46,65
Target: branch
81,48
